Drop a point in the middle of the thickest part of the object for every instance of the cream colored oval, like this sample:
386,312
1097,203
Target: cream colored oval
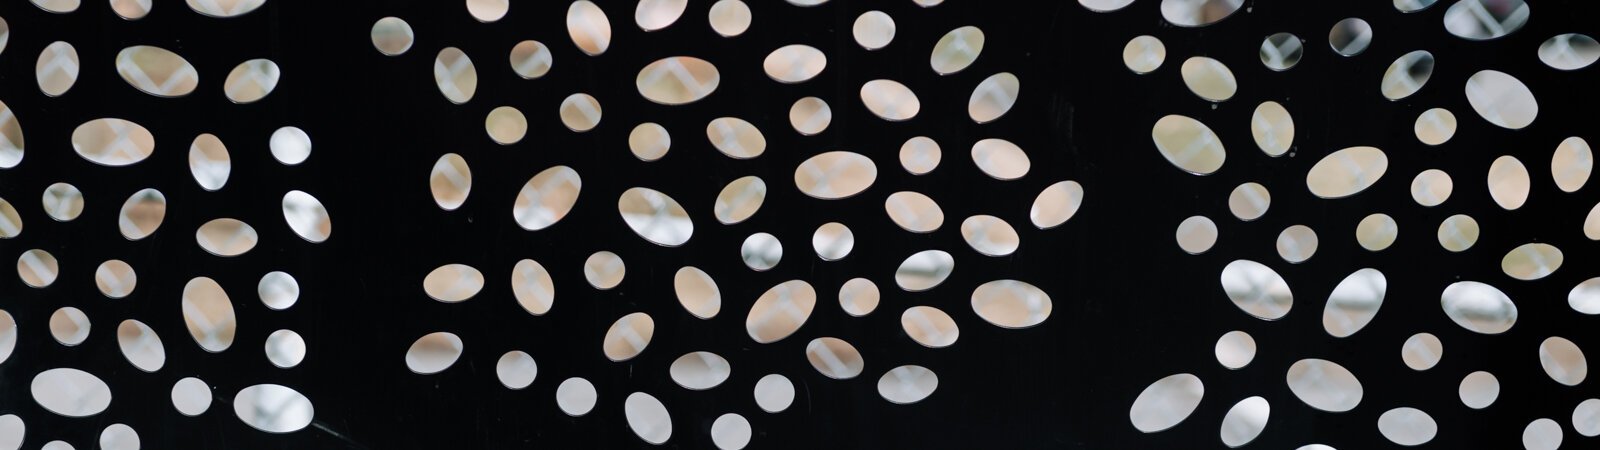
1249,201
576,396
930,326
1198,13
113,142
209,162
739,200
1591,224
1572,164
1056,204
1502,99
532,287
873,30
604,270
1432,187
488,10
455,75
1011,304
891,101
1585,297
628,336
531,59
306,217
57,68
1324,385
8,335
835,358
990,235
698,371
649,141
588,27
392,36
506,125
115,278
1435,126
451,283
1563,361
1478,307
38,268
1347,172
157,71
142,214
920,155
794,63
677,80
450,181
70,392
1509,182
736,138
993,97
1196,234
1209,79
580,112
810,115
141,346
1144,54
780,311
1188,144
914,212
225,8
729,18
859,297
835,175
833,241
62,202
1531,261
1407,75
1166,402
924,270
11,142
1458,233
907,384
1245,421
1422,351
1235,350
697,292
434,352
251,81
1570,51
653,15
208,313
1377,232
956,50
1257,289
547,198
226,237
57,6
1297,243
10,220
1273,128
1000,159
69,326
655,217
648,418
1354,302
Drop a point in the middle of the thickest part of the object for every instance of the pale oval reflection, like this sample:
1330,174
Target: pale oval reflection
990,235
11,143
1188,144
873,30
1273,128
451,283
57,69
894,102
1350,36
191,396
576,396
1572,164
1144,54
580,112
290,145
1407,75
677,80
1586,418
1458,233
1209,79
516,370
113,142
1011,304
1571,51
655,217
1235,350
1377,232
604,270
1000,159
455,75
930,326
833,241
273,408
1531,261
157,71
1501,99
1422,351
648,418
1478,307
914,212
1480,20
780,311
729,18
1354,302
761,252
652,15
794,63
8,335
1509,182
1198,13
956,50
1563,361
835,175
278,290
924,270
1347,172
251,81
38,268
1432,187
1196,234
774,393
628,336
531,59
1435,126
588,27
1257,289
532,287
698,371
488,10
63,202
119,436
739,200
224,8
209,162
993,97
649,141
506,125
1324,385
1585,297
142,214
434,352
859,297
450,181
735,137
907,384
547,198
141,346
70,392
392,36
306,217
1056,204
697,292
226,237
115,278
1407,426
285,348
69,326
1249,201
835,358
208,313
1166,402
1245,421
1281,51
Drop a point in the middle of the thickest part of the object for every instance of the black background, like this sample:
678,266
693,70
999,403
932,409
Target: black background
1129,306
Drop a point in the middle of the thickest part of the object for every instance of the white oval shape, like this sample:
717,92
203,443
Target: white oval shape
451,283
908,384
1273,128
70,392
859,297
1297,243
1479,390
1591,224
697,292
516,370
157,71
57,69
1435,126
1011,304
1056,204
1563,361
531,59
290,145
655,217
69,326
209,162
730,432
677,80
956,50
873,30
1571,164
1188,144
1501,99
774,393
914,212
1346,172
488,10
1377,232
1458,233
191,396
604,270
1196,234
306,217
1144,54
208,314
1571,51
546,198
10,220
736,138
62,202
57,6
1407,426
652,15
251,81
835,358
891,101
648,418
450,181
1432,187
455,74
1422,351
761,252
924,270
434,352
780,311
1584,298
38,268
1166,402
1000,159
1481,20
993,97
113,142
794,63
1586,418
1235,350
226,237
1209,79
990,235
589,28
835,175
1324,385
1104,6
628,336
273,408
1257,289
1249,201
1407,75
833,241
1531,261
576,396
1542,434
1354,302
392,36
739,200
810,116
278,290
506,125
141,346
1245,421
698,371
12,430
649,141
930,326
1198,13
119,437
223,9
729,18
580,112
1509,182
285,348
1478,307
532,287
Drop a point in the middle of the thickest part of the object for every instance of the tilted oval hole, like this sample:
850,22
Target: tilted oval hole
1571,51
251,81
532,286
306,217
226,237
1056,204
455,75
1346,172
677,80
1245,421
273,408
1481,20
990,235
834,358
450,181
891,101
434,352
547,198
914,211
1166,402
588,27
113,142
924,270
1354,302
70,392
956,50
141,346
930,326
1479,307
142,214
1407,75
655,217
780,311
628,336
835,175
1563,361
1198,13
1257,289
209,162
1188,144
993,97
1324,385
1572,164
1502,99
1000,159
223,9
1531,261
697,292
739,200
451,283
1011,304
1273,128
648,418
908,384
653,15
794,63
735,137
1509,182
1209,79
698,371
57,68
157,71
208,313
